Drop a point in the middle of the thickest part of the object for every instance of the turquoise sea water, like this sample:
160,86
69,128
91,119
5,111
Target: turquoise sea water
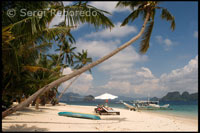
179,109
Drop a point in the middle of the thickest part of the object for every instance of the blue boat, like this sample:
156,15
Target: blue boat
79,115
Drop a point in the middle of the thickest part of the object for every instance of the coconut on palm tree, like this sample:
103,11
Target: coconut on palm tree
145,8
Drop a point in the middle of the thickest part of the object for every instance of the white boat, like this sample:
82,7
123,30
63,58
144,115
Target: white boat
148,105
158,106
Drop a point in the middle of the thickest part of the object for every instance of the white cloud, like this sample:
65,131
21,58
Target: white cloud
148,87
81,85
136,83
120,64
124,78
141,82
183,79
117,32
167,43
195,34
56,20
159,39
97,48
108,6
66,3
122,61
122,87
146,73
66,71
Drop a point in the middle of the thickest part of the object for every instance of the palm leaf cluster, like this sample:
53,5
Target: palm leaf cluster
81,12
140,8
82,59
26,41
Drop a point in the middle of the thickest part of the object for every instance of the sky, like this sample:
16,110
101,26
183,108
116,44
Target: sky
170,64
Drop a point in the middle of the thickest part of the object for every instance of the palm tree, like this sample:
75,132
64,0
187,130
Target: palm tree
42,74
67,51
145,8
64,40
23,35
82,60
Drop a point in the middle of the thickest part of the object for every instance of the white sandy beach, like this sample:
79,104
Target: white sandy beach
47,119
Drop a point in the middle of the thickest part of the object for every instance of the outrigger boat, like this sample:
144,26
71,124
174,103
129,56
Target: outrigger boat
149,105
130,107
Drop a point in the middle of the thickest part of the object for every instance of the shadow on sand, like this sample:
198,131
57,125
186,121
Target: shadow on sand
114,118
23,128
106,121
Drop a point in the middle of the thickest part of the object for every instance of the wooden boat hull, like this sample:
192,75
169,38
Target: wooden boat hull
79,115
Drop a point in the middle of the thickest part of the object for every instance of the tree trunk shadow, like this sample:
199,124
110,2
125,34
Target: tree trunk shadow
24,127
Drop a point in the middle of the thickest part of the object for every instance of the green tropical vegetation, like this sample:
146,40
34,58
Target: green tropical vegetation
25,41
27,64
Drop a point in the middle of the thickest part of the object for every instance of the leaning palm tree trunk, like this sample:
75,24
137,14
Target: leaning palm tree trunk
75,73
67,87
37,103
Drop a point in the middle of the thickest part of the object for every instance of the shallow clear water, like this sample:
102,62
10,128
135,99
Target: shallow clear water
180,109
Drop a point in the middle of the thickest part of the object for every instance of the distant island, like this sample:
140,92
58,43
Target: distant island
170,96
70,96
176,96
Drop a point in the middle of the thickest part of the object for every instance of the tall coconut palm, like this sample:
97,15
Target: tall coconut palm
23,36
138,9
54,61
82,60
30,31
67,52
64,40
147,9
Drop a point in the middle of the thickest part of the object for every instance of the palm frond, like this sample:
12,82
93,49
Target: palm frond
131,17
43,46
123,3
35,68
98,20
131,4
167,15
51,33
173,24
144,45
7,35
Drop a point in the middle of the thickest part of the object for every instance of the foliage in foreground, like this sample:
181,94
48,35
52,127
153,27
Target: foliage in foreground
26,41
